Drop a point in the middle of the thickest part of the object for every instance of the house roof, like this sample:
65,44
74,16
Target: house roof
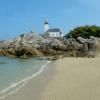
54,30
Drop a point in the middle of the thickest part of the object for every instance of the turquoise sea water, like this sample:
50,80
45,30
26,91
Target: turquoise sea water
16,72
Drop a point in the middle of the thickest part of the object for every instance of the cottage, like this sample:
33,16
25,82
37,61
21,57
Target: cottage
52,32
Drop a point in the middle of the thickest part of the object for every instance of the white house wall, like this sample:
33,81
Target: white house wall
54,34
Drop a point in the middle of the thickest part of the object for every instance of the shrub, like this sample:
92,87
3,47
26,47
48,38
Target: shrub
84,31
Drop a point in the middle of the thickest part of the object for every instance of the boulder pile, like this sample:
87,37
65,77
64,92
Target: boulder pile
31,44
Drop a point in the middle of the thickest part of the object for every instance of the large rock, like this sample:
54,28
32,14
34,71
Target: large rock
32,38
94,46
21,51
71,40
73,46
83,51
81,40
2,52
32,44
58,45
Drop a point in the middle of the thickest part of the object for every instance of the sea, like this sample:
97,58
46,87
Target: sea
16,73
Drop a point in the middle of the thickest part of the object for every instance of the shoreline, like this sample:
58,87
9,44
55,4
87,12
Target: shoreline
64,79
16,87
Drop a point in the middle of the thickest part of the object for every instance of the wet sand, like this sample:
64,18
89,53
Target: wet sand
64,79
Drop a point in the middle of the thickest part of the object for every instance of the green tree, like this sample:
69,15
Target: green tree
22,35
84,31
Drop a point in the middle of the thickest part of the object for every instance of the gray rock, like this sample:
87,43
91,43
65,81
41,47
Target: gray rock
81,40
94,46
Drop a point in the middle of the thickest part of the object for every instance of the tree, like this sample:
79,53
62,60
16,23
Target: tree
22,35
84,31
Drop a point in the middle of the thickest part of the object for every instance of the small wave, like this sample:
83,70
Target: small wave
22,83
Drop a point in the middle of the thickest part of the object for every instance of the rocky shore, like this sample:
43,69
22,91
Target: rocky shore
32,45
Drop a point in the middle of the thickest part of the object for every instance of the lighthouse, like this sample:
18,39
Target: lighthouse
52,32
46,26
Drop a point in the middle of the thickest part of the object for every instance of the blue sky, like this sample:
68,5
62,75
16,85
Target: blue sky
22,16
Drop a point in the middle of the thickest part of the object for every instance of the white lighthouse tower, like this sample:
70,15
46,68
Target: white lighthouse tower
46,26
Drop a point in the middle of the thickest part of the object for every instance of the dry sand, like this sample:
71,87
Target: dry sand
65,79
76,79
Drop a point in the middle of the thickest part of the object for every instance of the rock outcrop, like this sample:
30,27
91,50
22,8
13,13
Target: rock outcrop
31,44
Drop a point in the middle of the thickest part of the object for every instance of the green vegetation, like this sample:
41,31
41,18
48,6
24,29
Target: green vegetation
84,31
22,35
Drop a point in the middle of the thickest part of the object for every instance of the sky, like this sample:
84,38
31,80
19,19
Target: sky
22,16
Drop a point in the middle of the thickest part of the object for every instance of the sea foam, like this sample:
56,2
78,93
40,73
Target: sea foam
5,92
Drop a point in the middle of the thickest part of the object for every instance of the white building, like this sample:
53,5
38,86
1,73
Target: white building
53,32
46,26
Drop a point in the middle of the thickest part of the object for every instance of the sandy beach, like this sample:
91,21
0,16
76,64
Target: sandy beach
64,79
